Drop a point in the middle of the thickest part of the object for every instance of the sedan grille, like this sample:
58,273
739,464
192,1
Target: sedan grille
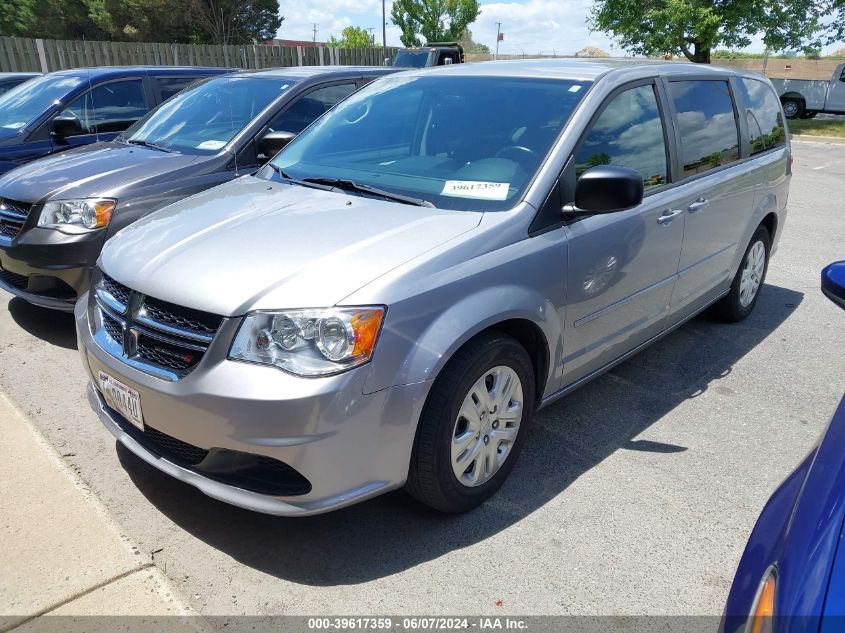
12,217
162,338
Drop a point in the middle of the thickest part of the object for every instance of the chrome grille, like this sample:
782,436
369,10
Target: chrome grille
161,338
12,216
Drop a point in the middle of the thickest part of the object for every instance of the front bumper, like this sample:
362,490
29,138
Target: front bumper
49,268
348,445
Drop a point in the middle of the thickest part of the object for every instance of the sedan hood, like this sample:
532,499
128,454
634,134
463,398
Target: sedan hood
254,244
99,170
7,133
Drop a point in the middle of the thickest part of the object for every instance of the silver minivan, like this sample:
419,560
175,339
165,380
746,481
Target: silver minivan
388,301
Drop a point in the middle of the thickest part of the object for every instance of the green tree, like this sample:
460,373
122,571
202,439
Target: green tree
471,46
351,37
236,21
435,20
695,27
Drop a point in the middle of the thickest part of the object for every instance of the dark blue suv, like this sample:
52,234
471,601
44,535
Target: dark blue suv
69,108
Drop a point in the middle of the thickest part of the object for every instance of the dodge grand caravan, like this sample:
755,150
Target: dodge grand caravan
56,213
388,301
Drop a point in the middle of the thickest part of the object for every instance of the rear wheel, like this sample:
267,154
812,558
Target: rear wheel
473,424
793,108
748,281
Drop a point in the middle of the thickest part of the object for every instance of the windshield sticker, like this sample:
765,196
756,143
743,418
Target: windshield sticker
476,189
211,145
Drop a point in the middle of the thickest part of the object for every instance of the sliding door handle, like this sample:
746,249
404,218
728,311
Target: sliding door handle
669,215
698,205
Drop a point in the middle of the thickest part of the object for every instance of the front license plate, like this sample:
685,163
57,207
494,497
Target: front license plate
123,399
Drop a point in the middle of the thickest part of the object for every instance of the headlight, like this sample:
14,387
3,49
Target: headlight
76,216
309,342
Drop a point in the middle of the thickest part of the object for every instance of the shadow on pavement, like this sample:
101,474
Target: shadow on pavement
392,533
53,326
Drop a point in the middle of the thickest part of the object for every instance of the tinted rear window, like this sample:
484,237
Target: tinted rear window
763,116
709,136
169,86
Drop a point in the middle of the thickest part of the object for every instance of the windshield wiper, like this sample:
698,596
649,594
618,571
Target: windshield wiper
160,148
352,186
303,183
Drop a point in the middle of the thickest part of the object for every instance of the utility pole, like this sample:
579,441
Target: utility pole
498,37
314,39
383,31
370,30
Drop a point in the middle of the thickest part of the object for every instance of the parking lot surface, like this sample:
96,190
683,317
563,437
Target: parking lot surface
633,495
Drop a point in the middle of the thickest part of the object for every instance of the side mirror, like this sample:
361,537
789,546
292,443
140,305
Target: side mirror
607,188
272,143
65,125
833,283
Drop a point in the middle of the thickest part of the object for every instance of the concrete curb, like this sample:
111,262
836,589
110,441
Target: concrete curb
63,553
819,140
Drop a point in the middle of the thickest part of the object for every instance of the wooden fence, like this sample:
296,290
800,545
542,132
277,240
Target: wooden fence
36,55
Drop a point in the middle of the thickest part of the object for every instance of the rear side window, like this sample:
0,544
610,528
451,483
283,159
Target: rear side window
763,116
169,86
310,107
628,133
709,136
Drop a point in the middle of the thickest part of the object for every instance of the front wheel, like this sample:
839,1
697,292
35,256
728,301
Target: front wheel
748,281
473,424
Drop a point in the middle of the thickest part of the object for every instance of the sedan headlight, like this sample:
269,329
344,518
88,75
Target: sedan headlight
77,216
309,342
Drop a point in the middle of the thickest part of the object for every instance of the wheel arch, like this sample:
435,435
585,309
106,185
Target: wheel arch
519,312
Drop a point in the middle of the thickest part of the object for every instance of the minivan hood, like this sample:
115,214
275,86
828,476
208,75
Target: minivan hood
254,244
102,169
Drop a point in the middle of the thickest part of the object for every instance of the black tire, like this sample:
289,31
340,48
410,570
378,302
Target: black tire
730,308
793,108
431,479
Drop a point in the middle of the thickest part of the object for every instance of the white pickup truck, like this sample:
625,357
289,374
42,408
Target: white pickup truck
804,98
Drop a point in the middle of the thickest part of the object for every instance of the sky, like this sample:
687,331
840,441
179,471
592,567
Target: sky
530,26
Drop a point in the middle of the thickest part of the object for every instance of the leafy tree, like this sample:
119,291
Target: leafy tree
695,27
435,20
236,21
471,46
351,37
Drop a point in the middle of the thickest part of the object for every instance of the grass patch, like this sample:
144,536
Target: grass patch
818,127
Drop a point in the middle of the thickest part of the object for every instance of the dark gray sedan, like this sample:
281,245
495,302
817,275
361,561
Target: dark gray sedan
56,213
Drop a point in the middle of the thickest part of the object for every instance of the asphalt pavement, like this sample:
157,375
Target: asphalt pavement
634,495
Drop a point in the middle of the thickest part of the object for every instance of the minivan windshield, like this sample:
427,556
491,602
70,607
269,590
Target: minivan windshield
26,102
456,141
204,117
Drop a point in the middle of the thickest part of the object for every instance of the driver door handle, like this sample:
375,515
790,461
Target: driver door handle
669,215
698,205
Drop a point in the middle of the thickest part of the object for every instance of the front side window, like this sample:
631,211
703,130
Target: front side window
628,133
28,101
459,142
110,107
709,136
205,117
763,116
310,107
